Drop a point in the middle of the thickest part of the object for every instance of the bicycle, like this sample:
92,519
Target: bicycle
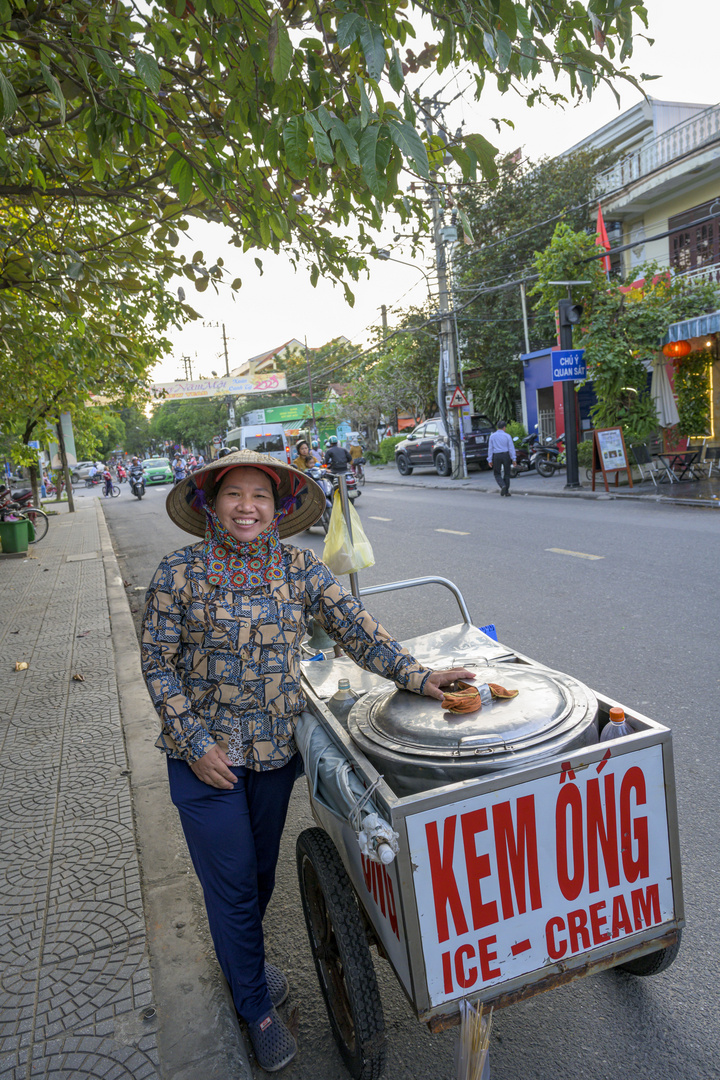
38,519
114,492
358,467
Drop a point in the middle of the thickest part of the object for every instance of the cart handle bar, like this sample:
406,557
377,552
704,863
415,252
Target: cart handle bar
395,586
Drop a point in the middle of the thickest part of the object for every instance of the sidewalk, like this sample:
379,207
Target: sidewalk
97,978
702,493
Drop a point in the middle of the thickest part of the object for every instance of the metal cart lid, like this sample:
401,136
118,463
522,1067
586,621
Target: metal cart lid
407,724
455,646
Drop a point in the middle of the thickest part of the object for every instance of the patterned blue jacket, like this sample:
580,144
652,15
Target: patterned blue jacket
224,666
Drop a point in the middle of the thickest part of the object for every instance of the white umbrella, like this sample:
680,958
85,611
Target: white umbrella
662,395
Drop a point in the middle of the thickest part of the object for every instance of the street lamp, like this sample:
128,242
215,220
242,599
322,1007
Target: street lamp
384,254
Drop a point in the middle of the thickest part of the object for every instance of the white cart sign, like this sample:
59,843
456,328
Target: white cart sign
526,876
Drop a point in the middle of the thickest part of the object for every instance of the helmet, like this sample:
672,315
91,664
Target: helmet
332,441
315,444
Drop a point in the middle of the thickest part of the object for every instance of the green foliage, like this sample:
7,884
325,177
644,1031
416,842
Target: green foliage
585,453
692,386
98,430
189,422
137,430
386,448
291,125
516,430
491,326
621,328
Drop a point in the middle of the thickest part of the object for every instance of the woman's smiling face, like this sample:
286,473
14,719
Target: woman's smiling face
245,504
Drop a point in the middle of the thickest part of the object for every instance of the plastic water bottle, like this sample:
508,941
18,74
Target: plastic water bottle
342,701
617,727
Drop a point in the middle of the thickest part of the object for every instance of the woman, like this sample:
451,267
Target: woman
304,457
221,639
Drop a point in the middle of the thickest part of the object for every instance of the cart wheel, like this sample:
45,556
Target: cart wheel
342,956
653,963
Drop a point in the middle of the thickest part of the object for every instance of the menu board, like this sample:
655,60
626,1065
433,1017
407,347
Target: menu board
609,455
612,449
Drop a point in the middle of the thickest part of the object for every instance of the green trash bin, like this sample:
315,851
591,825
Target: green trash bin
14,536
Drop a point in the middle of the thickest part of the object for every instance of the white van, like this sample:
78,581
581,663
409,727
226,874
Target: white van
267,439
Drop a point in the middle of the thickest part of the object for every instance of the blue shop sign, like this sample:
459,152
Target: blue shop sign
568,365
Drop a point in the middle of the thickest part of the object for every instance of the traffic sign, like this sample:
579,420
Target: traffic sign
568,365
34,444
217,440
458,398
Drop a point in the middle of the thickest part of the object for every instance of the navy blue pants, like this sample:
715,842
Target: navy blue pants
234,840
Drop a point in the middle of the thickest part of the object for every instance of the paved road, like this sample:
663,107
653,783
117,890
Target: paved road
639,623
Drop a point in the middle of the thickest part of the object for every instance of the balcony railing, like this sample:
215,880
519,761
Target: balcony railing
710,274
682,139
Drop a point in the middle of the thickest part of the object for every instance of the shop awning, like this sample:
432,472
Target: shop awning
690,328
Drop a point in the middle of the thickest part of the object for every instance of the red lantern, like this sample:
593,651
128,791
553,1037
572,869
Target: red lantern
675,350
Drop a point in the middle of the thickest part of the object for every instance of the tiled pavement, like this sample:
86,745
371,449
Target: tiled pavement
75,990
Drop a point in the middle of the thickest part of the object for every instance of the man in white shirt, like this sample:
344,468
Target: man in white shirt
501,452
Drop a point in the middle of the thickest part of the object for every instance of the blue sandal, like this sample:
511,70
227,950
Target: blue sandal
277,984
272,1042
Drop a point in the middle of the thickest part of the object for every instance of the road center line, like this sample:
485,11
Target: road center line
453,532
374,518
575,554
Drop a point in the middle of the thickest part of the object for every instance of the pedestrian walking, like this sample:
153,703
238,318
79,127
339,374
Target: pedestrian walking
221,652
501,454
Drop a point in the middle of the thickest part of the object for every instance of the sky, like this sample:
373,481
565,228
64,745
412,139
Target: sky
281,304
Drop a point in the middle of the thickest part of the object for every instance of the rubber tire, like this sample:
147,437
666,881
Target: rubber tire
342,955
403,465
442,463
513,471
142,492
114,491
545,467
360,475
652,963
75,478
40,522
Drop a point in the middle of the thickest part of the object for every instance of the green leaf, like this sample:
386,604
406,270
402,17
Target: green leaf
467,228
9,100
365,107
147,68
237,283
409,109
107,66
348,29
182,177
410,144
504,49
372,40
54,87
369,163
341,132
463,160
296,145
486,154
395,72
321,142
314,274
281,50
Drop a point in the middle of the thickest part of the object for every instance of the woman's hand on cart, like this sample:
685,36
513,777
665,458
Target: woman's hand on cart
214,768
436,679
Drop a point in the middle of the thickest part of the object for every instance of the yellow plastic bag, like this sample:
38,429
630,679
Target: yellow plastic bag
341,554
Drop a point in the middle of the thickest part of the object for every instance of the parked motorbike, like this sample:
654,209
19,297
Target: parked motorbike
137,484
524,454
549,457
93,481
324,478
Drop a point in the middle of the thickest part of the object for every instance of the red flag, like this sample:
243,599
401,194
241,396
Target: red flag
602,240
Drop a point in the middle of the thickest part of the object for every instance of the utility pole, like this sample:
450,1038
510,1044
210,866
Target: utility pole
309,378
383,316
230,402
449,376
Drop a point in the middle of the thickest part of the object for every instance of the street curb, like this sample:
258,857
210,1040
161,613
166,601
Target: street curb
198,1035
712,504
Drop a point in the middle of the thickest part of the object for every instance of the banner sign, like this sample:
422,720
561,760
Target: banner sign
568,365
521,877
232,386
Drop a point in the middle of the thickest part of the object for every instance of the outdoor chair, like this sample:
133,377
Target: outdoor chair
712,459
651,468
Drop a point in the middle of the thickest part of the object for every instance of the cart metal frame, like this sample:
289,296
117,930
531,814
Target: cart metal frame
387,895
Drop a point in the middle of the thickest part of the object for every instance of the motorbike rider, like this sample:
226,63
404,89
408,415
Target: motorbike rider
337,458
178,468
304,459
136,473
